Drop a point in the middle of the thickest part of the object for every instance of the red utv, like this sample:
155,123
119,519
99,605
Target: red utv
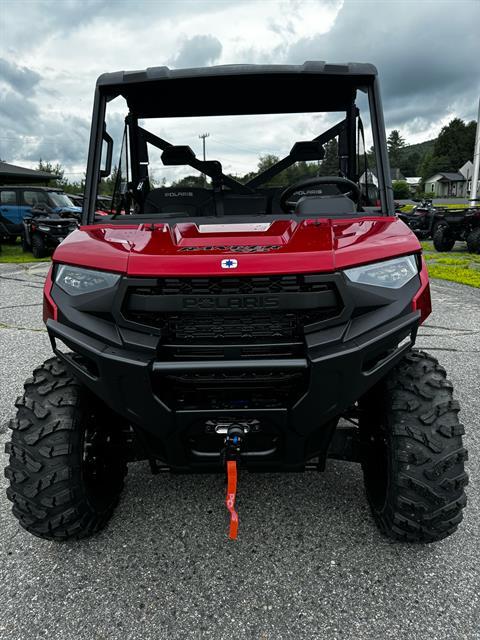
238,326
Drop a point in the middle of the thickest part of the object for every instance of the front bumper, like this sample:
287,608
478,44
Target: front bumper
337,362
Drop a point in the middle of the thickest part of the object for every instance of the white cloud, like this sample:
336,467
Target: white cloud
50,70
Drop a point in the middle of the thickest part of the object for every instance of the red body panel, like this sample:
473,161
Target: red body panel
283,246
422,300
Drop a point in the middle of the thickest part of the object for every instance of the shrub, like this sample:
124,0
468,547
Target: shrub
401,190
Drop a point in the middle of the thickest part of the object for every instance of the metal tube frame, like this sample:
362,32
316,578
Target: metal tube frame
379,140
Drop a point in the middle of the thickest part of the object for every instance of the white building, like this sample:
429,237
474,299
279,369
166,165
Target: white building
448,184
414,183
368,177
467,172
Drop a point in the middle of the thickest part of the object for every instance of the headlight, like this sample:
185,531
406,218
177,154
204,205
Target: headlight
389,273
43,227
76,281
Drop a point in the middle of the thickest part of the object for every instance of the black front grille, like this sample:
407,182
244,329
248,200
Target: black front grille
189,328
296,283
252,324
237,324
236,390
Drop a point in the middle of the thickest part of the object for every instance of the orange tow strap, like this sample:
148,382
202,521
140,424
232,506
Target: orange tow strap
231,495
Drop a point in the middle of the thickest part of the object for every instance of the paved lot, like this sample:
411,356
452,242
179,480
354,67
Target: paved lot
309,562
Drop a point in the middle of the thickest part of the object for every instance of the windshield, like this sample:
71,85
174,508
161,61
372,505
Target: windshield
60,199
284,164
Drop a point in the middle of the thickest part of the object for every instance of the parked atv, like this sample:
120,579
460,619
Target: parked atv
454,225
237,327
421,219
44,229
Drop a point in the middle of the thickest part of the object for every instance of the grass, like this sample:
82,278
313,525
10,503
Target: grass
455,266
408,207
12,253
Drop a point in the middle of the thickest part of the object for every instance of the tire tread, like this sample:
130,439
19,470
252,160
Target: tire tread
425,497
46,485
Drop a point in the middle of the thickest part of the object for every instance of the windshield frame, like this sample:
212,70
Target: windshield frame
103,94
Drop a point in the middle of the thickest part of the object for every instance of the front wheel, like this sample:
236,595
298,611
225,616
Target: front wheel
25,245
39,249
473,241
67,460
414,457
442,239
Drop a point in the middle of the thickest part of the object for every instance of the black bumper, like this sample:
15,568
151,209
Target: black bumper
338,362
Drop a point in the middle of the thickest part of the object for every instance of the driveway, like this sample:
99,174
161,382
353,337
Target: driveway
309,562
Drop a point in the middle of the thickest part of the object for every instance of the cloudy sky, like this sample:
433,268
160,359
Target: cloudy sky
51,52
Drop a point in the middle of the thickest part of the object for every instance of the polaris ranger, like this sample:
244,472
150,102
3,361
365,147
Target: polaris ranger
238,326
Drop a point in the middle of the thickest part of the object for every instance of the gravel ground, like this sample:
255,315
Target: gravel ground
309,562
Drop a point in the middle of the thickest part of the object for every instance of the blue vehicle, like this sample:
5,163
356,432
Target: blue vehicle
17,202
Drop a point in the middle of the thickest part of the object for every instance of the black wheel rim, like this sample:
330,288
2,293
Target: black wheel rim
99,468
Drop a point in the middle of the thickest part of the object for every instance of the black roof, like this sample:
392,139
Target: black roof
451,176
238,89
21,175
21,185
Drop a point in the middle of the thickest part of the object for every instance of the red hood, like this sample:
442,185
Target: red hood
283,246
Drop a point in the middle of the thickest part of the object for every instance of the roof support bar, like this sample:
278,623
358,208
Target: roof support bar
213,169
286,162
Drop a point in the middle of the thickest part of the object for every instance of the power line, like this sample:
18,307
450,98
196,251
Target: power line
202,136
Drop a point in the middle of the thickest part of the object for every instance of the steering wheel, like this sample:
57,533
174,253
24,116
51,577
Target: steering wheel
350,188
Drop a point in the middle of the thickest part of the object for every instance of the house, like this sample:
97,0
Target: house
467,172
456,184
370,176
414,183
446,184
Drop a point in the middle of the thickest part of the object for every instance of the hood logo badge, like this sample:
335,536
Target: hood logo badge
229,263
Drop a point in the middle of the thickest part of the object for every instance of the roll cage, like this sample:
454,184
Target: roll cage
235,90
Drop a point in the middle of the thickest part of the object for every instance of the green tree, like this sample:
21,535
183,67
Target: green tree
190,181
265,162
329,165
409,164
434,164
107,185
395,144
456,142
54,169
400,189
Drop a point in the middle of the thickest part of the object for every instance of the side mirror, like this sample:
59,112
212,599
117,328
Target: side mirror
307,150
104,173
175,155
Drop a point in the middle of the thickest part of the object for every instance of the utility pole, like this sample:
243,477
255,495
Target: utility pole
476,163
202,136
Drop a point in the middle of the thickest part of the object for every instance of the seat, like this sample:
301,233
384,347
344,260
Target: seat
191,201
329,205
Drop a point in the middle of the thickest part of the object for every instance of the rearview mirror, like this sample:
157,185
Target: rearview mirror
307,150
178,155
